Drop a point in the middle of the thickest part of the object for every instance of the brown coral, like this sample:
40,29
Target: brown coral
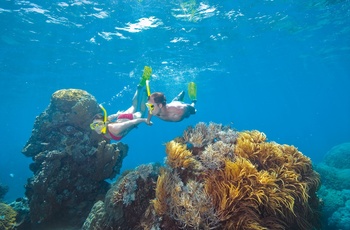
183,204
7,217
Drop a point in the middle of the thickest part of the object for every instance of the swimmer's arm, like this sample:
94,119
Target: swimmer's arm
121,127
148,122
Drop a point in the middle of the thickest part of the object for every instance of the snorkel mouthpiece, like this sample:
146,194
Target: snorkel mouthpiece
104,129
150,107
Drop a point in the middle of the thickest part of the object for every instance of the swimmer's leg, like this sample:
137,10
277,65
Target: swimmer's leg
135,101
143,107
179,97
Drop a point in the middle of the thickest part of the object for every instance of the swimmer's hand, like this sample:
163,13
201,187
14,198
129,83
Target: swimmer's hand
148,122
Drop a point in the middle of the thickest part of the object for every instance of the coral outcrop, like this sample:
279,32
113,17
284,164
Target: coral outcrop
335,189
339,156
71,162
216,178
21,206
7,217
126,202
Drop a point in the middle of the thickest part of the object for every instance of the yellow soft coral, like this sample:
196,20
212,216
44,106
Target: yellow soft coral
178,155
263,177
159,202
239,181
233,192
288,175
7,217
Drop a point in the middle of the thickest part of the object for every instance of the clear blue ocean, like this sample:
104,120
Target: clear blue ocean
281,67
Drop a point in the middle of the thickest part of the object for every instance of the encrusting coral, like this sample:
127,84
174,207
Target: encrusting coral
126,202
216,178
335,192
7,217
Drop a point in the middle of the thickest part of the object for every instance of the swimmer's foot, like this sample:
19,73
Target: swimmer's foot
192,91
147,71
180,97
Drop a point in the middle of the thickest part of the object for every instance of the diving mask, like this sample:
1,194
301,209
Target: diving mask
150,107
98,126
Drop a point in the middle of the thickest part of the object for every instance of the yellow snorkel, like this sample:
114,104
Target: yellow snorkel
147,72
147,88
149,105
104,129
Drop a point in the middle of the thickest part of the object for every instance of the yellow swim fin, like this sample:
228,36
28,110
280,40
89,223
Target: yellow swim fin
192,91
147,71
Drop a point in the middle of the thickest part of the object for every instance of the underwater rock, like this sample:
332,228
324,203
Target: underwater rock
21,206
3,190
71,161
68,115
335,189
339,156
216,178
333,178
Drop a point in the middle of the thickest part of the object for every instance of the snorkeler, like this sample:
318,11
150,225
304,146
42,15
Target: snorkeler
174,111
117,126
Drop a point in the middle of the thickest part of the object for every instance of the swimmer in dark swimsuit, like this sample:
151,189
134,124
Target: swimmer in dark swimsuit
174,111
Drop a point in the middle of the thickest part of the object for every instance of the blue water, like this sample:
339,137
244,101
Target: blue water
282,67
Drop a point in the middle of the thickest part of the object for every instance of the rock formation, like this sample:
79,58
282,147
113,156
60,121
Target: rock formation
71,162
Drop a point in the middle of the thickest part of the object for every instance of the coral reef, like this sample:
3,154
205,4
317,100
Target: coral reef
126,202
71,161
235,181
216,178
21,206
340,219
3,190
7,217
339,156
335,189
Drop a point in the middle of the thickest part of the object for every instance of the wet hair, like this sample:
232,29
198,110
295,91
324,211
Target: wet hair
98,116
159,98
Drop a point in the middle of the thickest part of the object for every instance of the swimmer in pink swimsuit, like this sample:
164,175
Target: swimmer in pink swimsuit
120,124
127,116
